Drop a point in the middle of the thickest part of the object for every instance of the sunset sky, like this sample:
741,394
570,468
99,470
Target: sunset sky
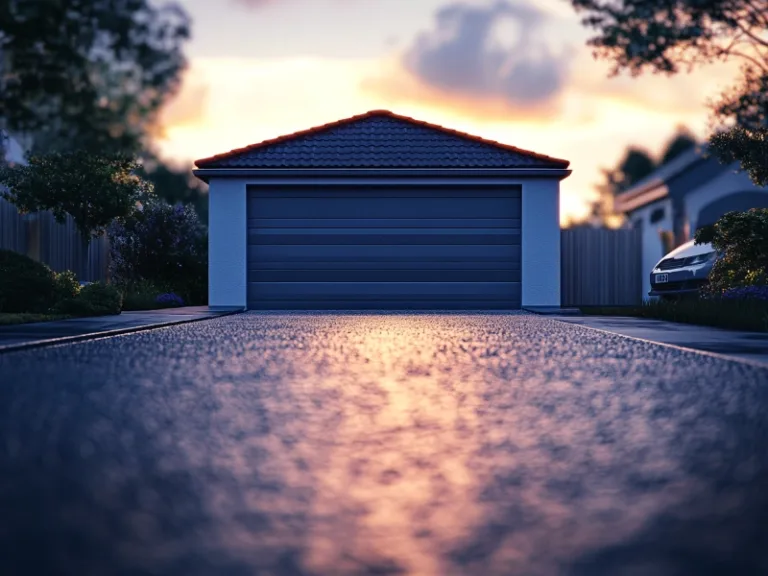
514,71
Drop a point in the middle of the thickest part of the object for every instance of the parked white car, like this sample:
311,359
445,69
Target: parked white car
683,271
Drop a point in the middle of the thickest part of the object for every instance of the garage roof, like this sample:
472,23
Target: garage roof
380,139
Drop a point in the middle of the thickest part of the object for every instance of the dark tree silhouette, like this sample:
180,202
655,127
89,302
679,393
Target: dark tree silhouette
666,36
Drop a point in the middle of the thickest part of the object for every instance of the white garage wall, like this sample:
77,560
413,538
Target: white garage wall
541,242
227,243
540,266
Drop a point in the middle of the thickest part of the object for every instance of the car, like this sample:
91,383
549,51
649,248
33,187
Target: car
682,272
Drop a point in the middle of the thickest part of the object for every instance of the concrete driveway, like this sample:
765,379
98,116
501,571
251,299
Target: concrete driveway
381,444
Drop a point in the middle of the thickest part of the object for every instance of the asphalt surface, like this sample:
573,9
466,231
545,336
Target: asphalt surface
381,444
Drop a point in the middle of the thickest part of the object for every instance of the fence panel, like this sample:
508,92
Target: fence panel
601,267
60,246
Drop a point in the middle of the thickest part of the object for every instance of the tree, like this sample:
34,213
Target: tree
662,36
88,74
681,142
635,165
741,238
93,189
176,184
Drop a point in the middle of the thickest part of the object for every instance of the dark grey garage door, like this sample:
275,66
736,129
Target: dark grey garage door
383,248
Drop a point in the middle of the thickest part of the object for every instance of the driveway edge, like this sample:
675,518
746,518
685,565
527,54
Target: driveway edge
718,355
106,333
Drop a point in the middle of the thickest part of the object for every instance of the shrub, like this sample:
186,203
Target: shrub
170,299
164,245
747,293
67,286
96,299
742,240
141,295
25,284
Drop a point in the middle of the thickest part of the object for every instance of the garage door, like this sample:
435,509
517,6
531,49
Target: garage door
383,248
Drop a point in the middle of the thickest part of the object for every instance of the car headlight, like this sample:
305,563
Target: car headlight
702,258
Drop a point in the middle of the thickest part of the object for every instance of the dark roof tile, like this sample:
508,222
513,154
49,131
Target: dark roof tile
380,139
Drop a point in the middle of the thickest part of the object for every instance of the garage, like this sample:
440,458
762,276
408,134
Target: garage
381,211
380,247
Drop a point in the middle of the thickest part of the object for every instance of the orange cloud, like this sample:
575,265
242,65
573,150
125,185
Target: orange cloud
189,107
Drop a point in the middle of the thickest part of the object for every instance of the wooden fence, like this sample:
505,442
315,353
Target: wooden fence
601,267
60,246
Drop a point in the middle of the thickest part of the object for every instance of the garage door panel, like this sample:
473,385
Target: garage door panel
263,224
310,264
374,238
404,252
384,275
381,248
384,304
384,191
390,290
364,208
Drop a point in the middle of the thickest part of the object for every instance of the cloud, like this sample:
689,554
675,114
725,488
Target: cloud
252,3
458,56
188,108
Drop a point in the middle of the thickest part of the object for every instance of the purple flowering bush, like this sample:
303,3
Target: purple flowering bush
747,293
169,299
162,245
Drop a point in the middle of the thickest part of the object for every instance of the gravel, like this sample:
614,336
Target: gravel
432,444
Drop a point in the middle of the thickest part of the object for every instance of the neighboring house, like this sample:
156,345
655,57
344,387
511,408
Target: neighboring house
689,192
381,211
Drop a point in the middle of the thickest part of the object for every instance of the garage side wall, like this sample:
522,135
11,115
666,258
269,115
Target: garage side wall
227,243
541,242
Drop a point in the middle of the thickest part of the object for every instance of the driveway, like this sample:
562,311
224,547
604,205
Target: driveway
381,444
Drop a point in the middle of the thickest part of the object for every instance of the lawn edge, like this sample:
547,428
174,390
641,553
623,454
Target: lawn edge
718,355
107,333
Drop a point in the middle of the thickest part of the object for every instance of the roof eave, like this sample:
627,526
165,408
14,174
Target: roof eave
205,174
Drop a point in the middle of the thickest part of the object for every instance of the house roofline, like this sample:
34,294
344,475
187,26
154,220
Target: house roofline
653,187
205,174
558,162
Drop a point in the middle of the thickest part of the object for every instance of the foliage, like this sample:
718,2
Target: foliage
93,189
25,284
735,314
141,295
26,318
66,285
747,293
95,299
749,147
176,184
663,36
162,244
90,75
680,143
170,300
741,238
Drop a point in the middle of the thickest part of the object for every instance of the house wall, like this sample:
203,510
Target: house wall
227,243
729,183
540,236
653,248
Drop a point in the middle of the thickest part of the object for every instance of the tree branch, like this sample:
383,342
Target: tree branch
762,65
751,34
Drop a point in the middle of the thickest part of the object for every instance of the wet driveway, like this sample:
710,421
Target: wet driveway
381,444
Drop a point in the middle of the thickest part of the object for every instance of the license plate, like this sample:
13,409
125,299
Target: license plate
661,278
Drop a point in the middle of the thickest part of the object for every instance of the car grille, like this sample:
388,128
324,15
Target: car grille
671,263
674,286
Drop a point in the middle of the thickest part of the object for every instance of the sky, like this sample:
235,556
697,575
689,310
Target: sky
515,71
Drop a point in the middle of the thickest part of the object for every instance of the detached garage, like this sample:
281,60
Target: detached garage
381,211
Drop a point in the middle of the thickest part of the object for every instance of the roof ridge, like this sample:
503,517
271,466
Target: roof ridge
369,114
